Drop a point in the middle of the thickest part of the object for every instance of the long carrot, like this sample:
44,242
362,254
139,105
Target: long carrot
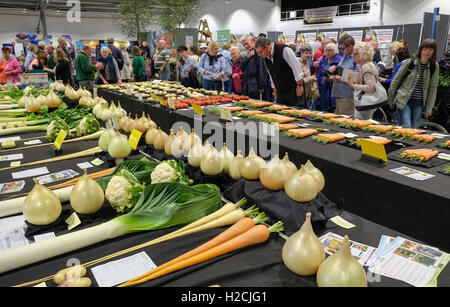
286,126
378,128
301,133
254,235
236,229
425,156
234,109
339,120
328,137
427,138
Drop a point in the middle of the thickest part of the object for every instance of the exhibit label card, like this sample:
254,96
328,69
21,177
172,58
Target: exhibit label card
30,173
412,173
120,271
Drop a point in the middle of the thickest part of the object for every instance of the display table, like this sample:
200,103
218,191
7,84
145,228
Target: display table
364,188
255,266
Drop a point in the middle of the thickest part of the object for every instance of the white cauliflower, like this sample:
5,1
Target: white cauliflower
117,192
164,173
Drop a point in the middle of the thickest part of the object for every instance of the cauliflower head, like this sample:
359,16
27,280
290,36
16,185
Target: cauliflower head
123,191
170,171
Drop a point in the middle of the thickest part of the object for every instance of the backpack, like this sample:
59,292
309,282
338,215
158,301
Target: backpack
411,67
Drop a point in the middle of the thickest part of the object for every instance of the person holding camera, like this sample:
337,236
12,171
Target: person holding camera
325,73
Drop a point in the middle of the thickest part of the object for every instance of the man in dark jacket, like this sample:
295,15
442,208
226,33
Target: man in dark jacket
285,71
256,82
116,52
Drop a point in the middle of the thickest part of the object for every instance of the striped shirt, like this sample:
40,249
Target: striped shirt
418,90
162,57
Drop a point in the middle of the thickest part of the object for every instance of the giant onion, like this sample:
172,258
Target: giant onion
119,147
302,252
41,206
211,163
86,196
341,269
302,186
250,166
274,174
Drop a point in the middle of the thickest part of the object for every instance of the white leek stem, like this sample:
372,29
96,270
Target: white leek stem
29,254
14,206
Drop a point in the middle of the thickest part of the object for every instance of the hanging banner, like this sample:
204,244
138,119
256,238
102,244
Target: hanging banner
357,35
382,36
331,35
281,39
307,38
289,39
223,37
320,15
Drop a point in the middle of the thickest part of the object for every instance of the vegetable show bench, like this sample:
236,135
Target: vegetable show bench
362,187
256,266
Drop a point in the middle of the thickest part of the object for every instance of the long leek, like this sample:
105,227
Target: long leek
81,154
23,130
8,106
161,206
94,136
13,113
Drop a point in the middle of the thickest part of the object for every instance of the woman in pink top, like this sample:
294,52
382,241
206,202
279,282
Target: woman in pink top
13,68
237,75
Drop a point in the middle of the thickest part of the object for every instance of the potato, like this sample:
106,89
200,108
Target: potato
8,144
73,272
84,282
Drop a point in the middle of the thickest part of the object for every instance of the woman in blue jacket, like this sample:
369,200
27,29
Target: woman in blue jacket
331,58
213,68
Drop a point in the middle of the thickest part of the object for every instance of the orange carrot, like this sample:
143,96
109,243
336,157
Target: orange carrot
252,112
424,137
234,109
255,235
330,137
286,126
327,115
361,123
381,128
236,229
425,156
301,133
340,120
278,107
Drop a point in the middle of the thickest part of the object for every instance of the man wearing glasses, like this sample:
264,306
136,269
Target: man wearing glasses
285,71
343,93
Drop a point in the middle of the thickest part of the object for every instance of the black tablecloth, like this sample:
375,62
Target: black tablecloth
364,188
255,266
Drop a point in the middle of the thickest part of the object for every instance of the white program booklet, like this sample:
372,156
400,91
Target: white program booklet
411,262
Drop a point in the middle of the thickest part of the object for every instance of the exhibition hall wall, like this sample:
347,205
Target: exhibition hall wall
240,17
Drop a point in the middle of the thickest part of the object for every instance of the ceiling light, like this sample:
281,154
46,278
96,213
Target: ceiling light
227,1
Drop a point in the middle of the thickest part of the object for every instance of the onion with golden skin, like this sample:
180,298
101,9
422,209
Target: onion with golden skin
341,269
160,140
302,252
301,186
87,196
250,166
274,175
41,206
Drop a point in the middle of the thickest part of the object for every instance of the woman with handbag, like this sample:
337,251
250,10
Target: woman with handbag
368,93
413,89
311,92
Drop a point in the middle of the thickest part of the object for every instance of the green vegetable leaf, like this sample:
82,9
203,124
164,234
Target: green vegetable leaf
165,205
